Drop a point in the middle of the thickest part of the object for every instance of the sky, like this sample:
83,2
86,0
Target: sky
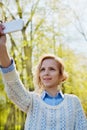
73,38
71,35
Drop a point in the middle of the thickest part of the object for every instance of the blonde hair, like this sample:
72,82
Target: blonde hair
63,75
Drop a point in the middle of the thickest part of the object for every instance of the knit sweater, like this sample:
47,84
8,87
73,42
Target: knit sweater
68,115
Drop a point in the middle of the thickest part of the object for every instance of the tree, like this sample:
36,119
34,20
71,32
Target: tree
42,33
22,55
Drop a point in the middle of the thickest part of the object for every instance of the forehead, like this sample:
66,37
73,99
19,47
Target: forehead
49,62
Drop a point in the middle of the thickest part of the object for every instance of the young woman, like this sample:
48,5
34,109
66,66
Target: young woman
50,110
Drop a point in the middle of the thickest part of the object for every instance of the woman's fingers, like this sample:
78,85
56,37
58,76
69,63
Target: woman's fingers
1,29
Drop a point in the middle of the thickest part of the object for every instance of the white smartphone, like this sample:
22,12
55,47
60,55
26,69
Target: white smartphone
13,26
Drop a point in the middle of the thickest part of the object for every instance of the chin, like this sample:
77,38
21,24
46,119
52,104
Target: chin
47,86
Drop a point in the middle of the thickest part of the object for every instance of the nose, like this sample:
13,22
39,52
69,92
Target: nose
46,72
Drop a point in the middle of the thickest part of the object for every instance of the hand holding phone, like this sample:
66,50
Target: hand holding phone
13,26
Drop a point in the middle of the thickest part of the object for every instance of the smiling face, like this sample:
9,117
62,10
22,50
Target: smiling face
49,73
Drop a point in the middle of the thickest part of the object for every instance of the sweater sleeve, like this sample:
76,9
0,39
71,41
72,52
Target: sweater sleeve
80,120
16,90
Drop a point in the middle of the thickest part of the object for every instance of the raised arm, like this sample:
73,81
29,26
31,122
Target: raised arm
13,85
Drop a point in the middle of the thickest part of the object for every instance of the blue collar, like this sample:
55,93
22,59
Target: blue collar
45,93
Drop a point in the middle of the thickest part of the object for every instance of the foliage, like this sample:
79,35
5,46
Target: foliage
41,34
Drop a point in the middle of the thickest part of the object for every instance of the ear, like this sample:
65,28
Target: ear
63,77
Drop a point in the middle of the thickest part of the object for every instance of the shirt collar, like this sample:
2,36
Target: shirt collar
44,93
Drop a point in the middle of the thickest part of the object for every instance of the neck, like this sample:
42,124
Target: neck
52,91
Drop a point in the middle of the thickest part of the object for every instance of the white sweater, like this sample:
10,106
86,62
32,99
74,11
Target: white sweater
68,115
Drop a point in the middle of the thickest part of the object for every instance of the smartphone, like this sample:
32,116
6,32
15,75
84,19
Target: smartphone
13,26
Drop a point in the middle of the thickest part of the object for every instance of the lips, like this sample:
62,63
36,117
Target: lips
47,79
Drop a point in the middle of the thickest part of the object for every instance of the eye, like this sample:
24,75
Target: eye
42,69
51,68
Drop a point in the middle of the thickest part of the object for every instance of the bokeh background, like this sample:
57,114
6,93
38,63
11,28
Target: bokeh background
50,26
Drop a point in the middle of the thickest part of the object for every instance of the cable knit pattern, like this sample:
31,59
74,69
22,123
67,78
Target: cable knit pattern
68,115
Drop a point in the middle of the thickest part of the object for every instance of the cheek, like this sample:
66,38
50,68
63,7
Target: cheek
41,74
56,77
55,74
